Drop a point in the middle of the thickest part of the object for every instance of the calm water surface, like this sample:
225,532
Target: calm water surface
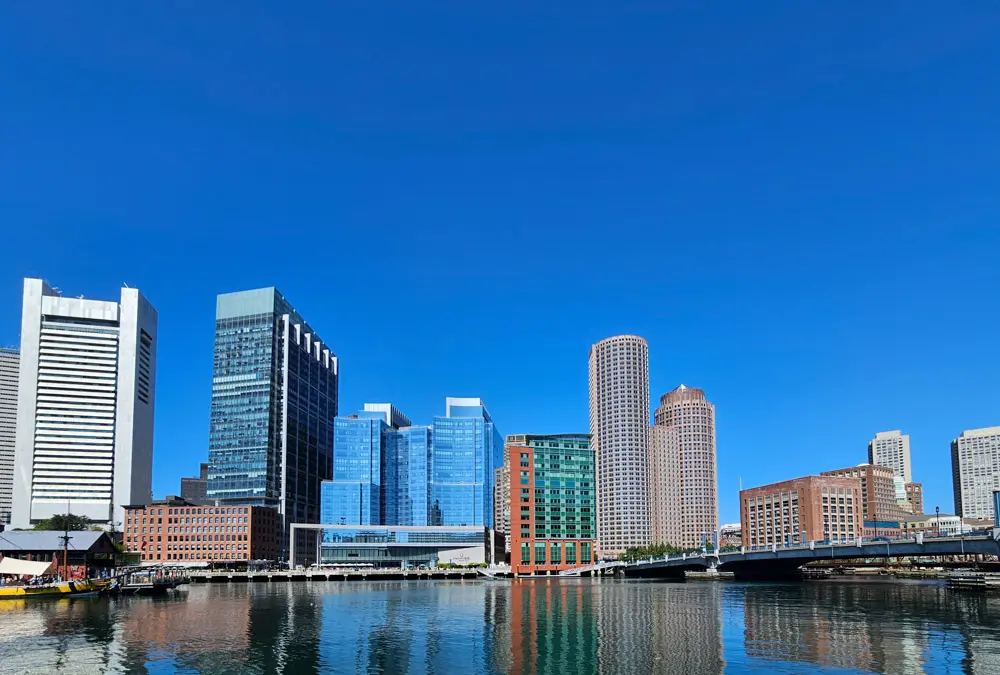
559,626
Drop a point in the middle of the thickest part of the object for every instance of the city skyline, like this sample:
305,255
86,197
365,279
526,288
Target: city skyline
167,490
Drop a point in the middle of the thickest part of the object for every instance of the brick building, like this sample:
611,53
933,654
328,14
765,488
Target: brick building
811,508
174,530
878,491
915,495
552,502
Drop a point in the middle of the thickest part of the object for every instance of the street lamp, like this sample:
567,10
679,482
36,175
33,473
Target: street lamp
937,518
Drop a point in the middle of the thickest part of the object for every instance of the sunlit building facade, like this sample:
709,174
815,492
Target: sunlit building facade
693,416
619,429
552,502
274,398
10,360
466,449
892,449
975,466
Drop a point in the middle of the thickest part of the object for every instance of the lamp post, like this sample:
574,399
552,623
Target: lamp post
937,518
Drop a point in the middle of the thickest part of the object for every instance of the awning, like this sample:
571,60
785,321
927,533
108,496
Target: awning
23,567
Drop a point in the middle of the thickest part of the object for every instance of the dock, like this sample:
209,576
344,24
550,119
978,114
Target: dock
975,581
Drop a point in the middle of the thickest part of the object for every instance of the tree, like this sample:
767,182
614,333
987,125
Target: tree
64,522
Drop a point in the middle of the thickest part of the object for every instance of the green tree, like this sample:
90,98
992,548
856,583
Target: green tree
64,522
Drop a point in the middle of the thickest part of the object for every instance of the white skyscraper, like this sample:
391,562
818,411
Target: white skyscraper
85,405
619,427
9,359
892,449
975,468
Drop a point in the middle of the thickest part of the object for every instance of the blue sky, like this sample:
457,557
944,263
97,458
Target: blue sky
794,203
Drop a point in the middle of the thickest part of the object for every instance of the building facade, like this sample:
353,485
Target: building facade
174,530
466,450
915,496
403,547
664,486
86,385
975,468
552,502
356,494
892,449
196,489
10,360
878,491
797,511
412,447
687,410
274,398
501,502
619,429
934,524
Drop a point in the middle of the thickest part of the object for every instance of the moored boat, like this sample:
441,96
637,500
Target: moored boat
63,589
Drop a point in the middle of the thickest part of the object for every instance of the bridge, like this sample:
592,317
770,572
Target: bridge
777,562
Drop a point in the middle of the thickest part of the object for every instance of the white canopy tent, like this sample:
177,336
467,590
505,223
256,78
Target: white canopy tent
19,568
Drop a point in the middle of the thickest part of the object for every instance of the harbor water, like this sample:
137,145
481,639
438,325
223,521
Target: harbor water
530,626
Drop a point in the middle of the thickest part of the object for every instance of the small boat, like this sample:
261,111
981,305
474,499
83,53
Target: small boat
63,589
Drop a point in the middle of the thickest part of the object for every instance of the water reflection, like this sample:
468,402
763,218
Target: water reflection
537,627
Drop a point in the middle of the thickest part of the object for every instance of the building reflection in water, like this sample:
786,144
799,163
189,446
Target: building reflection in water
891,627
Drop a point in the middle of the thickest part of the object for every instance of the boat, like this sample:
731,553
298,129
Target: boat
62,589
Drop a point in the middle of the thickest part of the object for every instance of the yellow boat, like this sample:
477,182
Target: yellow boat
64,589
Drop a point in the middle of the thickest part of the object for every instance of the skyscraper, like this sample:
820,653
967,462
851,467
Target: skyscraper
466,449
694,417
364,488
86,388
665,487
9,364
274,397
619,428
975,468
413,464
892,449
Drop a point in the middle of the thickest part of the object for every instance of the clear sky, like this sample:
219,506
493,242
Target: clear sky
796,204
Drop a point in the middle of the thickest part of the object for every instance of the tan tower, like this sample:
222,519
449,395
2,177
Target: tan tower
664,486
619,427
694,417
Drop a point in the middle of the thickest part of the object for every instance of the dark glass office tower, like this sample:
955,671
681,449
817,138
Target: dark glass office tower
274,397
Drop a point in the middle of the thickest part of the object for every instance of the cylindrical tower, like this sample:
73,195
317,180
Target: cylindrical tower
619,427
694,417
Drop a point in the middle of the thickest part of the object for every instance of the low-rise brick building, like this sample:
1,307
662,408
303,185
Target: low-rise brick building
175,530
797,511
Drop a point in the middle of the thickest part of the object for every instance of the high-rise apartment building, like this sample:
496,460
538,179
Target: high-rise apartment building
10,360
891,449
274,398
619,428
552,502
878,491
196,489
665,486
797,511
686,409
86,386
466,449
501,501
975,468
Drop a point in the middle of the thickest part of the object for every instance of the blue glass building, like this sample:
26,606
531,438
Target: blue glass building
364,487
465,449
412,477
274,397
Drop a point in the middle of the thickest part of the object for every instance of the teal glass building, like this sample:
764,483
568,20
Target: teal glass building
274,398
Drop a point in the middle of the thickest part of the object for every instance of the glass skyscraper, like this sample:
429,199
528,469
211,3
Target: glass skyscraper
466,448
365,485
274,398
412,480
